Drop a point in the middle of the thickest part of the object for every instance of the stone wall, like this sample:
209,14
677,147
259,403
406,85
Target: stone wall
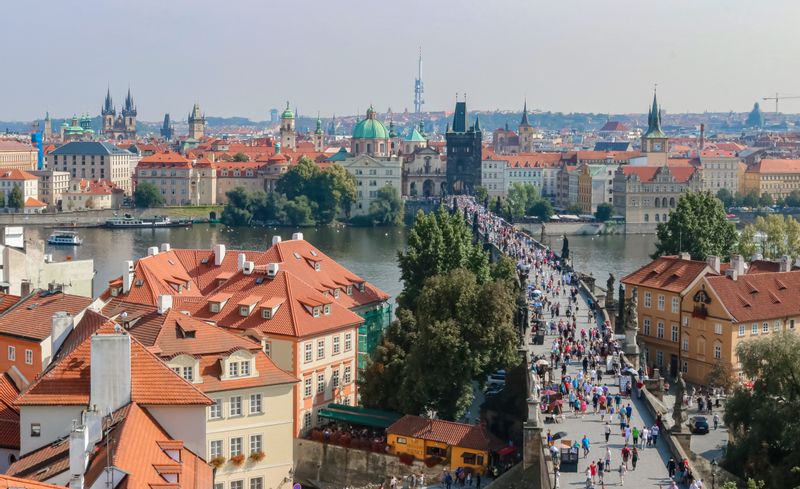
331,467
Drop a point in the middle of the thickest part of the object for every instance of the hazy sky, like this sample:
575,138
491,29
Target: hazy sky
242,57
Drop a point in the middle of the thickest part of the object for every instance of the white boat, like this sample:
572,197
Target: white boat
129,221
69,238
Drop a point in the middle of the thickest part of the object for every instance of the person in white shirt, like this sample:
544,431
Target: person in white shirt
645,436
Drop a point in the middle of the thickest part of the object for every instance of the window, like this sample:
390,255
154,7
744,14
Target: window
255,404
335,379
741,330
236,406
685,345
268,348
236,448
36,429
308,355
676,304
348,341
307,387
320,349
326,309
717,328
233,369
647,298
12,353
646,324
660,330
347,376
307,419
29,357
266,313
215,449
255,443
401,440
717,350
336,345
685,367
244,368
349,290
244,310
257,483
320,383
754,329
776,326
674,333
661,301
765,327
215,410
188,373
659,358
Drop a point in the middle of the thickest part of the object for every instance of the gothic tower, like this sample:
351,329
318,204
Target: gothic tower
166,129
654,142
319,137
197,123
525,132
108,113
464,153
287,132
47,133
129,115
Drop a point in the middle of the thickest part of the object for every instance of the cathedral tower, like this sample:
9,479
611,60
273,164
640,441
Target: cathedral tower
197,123
525,132
288,135
654,142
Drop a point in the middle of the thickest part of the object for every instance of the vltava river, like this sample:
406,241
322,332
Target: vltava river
369,252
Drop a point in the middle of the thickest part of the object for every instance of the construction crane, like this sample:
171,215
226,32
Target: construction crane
779,97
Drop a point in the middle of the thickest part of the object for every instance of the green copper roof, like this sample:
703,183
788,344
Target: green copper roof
287,113
370,128
340,155
318,130
415,137
654,121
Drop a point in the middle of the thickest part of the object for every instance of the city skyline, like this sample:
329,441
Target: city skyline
174,54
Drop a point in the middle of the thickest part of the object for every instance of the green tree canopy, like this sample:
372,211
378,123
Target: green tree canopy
300,211
765,439
241,157
604,211
793,199
521,196
148,195
699,226
777,234
542,209
726,197
481,194
333,190
388,208
765,200
238,209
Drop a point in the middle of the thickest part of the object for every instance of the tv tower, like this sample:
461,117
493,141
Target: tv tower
418,87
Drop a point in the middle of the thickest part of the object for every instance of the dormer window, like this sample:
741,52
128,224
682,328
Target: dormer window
327,309
349,290
316,311
336,293
362,287
317,266
214,306
266,313
244,311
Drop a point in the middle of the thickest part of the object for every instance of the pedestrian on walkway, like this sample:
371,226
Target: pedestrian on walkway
622,471
671,468
645,437
654,432
627,434
607,431
593,470
634,457
585,445
626,453
635,434
716,421
478,480
629,412
608,459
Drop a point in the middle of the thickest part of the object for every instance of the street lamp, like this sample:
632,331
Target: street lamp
714,474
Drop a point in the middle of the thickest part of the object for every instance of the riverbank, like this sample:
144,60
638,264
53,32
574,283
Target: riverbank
96,217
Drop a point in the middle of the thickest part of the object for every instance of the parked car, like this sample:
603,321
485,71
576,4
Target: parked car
699,425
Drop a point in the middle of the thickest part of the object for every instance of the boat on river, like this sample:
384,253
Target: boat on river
127,221
68,238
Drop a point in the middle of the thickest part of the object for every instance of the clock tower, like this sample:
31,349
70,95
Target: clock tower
655,144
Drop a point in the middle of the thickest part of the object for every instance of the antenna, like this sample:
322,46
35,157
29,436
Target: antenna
418,86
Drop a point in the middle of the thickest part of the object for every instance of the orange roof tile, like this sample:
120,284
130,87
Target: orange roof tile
758,296
475,437
31,317
9,414
8,482
31,202
669,273
17,175
775,166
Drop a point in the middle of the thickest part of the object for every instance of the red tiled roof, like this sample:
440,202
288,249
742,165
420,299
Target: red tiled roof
32,316
17,175
152,382
775,166
7,300
669,273
614,126
758,296
8,482
9,414
681,171
475,437
44,463
31,202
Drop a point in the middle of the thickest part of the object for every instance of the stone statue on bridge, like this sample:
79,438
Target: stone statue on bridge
631,313
631,326
610,292
679,415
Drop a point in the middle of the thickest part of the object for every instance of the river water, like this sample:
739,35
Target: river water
369,252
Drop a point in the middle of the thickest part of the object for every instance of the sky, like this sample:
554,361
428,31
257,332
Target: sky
243,57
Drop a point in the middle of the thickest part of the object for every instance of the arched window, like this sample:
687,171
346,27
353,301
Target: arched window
664,218
658,217
672,202
647,218
657,202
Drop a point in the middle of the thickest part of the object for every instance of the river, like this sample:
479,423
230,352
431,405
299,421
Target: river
369,252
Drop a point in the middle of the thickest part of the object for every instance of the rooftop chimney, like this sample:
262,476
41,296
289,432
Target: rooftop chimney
248,267
276,240
165,247
240,262
152,251
127,276
219,254
110,372
297,236
164,303
685,255
78,455
713,262
272,270
737,264
61,325
785,264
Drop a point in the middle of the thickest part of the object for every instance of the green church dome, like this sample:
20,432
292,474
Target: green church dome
370,128
287,113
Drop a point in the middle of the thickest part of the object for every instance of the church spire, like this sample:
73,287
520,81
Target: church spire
477,124
654,119
524,121
108,104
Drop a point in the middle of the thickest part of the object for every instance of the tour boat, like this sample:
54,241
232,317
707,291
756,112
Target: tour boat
69,238
129,221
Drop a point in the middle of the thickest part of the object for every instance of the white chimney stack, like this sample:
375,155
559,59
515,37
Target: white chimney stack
785,264
685,255
737,264
276,240
240,263
713,262
219,254
152,251
297,236
110,372
127,277
61,326
78,455
165,247
164,303
248,267
272,270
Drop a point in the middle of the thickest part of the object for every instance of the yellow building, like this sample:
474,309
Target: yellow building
16,155
777,178
463,445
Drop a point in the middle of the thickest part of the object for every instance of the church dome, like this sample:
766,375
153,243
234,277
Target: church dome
287,112
370,128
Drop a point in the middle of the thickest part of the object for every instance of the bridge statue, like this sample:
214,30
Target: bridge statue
679,415
631,323
610,293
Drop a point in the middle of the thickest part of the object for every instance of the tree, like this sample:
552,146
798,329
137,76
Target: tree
793,199
241,157
699,226
299,211
765,200
2,199
387,208
762,420
15,198
542,209
237,211
781,236
481,193
604,212
750,199
332,189
521,196
574,209
89,203
726,197
148,195
720,376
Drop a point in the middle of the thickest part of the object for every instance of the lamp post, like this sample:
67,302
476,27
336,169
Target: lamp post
714,474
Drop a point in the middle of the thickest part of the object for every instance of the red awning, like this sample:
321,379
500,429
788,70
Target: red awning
506,451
